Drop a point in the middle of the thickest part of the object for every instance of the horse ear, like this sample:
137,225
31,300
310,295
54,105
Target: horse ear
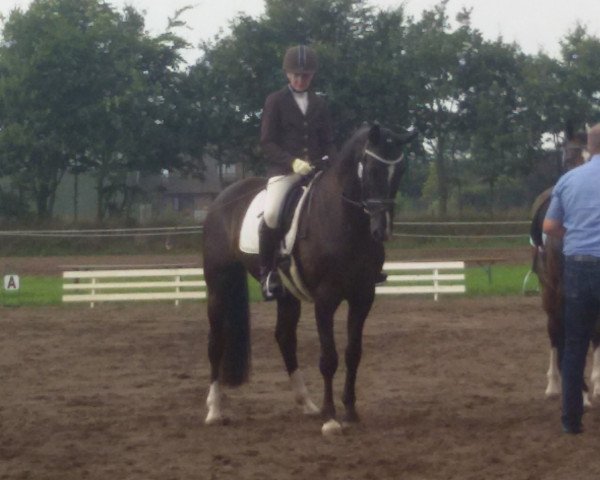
375,134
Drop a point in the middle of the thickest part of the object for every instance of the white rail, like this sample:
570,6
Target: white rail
133,284
431,278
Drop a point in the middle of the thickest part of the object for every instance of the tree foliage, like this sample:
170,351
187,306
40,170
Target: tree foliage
84,88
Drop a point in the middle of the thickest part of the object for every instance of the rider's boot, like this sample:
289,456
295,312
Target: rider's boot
268,240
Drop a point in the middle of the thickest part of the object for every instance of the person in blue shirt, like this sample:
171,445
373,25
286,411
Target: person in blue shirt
574,215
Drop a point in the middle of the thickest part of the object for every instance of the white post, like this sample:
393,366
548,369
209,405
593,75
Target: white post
177,288
435,283
93,291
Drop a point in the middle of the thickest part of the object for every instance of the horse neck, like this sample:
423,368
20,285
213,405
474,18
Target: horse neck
338,193
346,171
338,188
338,200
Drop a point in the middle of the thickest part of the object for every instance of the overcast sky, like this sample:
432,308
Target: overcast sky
533,24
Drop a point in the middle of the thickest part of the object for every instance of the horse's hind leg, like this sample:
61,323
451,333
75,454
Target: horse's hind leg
229,336
215,354
288,315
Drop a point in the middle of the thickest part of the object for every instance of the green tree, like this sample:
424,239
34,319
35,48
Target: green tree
500,141
581,60
83,87
237,71
436,55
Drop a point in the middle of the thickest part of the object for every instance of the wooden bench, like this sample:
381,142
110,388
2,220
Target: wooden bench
423,277
132,284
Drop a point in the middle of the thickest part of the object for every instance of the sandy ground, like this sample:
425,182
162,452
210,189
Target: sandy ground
446,390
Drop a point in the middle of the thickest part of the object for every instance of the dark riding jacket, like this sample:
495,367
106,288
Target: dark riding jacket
287,134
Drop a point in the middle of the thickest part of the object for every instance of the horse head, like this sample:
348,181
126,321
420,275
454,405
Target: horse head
574,151
378,161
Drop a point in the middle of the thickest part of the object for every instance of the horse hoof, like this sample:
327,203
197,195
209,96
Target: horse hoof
331,428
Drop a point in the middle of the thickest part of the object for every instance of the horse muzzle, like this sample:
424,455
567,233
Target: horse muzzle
379,225
379,218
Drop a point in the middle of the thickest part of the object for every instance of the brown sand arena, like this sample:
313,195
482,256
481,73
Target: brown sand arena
446,390
452,390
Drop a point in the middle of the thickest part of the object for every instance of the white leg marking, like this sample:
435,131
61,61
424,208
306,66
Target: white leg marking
553,388
586,399
596,374
301,394
331,428
213,402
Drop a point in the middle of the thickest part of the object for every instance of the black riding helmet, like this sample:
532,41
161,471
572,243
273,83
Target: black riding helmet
300,59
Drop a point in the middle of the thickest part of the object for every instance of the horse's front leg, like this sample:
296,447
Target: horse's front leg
328,362
288,315
357,313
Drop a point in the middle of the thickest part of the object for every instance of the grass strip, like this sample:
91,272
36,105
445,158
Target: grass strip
505,280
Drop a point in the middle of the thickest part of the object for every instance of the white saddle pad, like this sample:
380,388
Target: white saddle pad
252,218
249,231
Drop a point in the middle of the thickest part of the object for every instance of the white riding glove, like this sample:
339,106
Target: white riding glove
301,166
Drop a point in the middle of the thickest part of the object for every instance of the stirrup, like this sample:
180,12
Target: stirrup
271,286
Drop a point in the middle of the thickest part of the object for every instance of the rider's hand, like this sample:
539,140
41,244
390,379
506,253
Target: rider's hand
301,166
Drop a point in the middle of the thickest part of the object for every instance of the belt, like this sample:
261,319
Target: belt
584,258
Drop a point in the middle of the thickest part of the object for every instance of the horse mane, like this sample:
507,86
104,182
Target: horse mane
348,150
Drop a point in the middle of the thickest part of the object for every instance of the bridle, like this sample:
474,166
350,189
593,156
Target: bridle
373,206
372,154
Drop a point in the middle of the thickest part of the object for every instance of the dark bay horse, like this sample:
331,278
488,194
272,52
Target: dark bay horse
548,265
339,256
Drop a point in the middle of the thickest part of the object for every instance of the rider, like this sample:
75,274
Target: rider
296,133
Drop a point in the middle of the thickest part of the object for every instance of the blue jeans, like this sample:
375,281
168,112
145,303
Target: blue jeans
582,304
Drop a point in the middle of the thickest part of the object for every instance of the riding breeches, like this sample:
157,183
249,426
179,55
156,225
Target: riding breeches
277,190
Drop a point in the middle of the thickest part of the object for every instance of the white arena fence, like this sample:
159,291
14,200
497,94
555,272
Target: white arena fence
176,284
432,278
133,284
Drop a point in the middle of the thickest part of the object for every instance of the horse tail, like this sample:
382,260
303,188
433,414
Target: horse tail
235,362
